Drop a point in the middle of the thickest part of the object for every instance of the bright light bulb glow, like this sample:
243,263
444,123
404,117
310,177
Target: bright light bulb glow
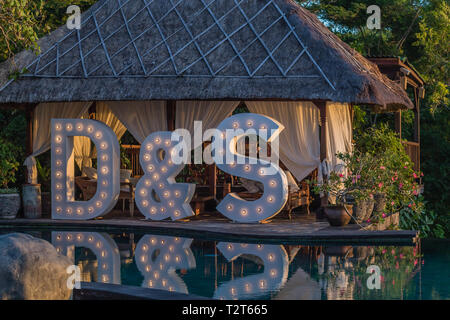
251,168
163,276
101,245
274,276
107,194
155,162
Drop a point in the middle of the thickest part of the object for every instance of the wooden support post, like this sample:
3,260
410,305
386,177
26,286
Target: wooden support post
212,179
170,111
322,105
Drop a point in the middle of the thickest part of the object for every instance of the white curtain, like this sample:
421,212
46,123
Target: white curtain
211,113
299,141
104,114
82,149
43,114
339,133
140,117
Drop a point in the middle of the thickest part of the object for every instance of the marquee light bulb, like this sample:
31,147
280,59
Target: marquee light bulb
274,275
252,168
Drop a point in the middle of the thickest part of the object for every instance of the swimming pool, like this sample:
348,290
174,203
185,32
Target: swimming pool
257,270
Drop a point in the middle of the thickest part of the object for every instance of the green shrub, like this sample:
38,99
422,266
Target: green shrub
399,181
8,163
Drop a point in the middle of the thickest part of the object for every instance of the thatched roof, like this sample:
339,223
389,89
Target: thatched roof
197,50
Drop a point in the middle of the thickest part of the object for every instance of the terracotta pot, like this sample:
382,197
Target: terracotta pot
337,215
9,205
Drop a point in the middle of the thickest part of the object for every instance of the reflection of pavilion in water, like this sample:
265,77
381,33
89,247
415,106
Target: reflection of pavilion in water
228,270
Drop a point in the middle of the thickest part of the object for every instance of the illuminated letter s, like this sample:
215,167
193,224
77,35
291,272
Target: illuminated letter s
268,173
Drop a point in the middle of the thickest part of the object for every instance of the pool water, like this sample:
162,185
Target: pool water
242,270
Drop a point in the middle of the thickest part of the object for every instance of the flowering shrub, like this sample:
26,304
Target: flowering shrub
398,180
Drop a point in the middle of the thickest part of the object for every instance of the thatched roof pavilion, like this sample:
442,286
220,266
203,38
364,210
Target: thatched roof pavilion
157,65
197,50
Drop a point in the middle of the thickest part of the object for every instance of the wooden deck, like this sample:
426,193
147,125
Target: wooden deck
301,229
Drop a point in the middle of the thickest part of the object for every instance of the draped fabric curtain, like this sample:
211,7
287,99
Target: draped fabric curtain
82,149
43,114
104,114
140,117
211,113
299,141
82,145
339,133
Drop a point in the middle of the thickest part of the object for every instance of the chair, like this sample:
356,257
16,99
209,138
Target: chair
89,188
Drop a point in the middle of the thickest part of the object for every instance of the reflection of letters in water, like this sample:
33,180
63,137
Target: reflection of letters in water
158,258
276,267
101,244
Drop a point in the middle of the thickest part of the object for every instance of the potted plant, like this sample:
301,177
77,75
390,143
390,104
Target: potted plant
9,197
338,212
365,180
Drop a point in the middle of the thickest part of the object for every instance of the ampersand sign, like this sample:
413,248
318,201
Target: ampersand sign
158,196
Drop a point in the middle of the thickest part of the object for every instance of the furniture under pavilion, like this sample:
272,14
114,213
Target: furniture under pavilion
147,66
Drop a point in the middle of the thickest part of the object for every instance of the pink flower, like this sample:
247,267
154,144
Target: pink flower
393,251
415,175
368,220
400,185
421,174
341,175
382,167
405,167
393,282
415,262
380,185
384,251
396,265
358,177
401,256
384,215
409,205
392,203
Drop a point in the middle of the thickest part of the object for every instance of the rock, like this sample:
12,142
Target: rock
30,269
